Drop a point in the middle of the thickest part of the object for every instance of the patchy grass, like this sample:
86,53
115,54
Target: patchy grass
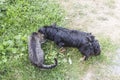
97,17
110,3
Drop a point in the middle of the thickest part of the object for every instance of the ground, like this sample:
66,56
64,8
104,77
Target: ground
101,18
19,18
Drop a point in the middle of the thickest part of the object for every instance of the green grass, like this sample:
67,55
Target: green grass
21,17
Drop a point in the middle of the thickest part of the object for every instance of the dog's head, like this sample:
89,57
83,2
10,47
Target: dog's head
90,47
44,29
96,46
87,48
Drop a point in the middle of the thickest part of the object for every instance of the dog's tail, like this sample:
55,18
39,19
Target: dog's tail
43,66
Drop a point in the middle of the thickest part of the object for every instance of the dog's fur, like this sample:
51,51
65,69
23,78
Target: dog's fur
36,54
85,42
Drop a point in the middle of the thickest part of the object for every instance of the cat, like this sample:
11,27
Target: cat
36,54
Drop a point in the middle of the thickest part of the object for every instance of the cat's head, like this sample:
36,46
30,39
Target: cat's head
39,36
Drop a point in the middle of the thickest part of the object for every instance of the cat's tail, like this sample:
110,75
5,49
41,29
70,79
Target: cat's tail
43,66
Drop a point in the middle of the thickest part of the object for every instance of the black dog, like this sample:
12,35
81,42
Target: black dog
63,37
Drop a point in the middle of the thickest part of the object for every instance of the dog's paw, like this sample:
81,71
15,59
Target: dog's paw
69,60
82,59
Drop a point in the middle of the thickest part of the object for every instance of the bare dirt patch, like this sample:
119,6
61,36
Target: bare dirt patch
96,16
88,76
100,17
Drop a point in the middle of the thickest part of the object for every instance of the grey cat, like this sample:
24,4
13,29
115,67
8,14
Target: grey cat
36,54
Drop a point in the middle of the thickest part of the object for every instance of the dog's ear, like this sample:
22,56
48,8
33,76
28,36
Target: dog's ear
54,24
93,37
41,30
90,38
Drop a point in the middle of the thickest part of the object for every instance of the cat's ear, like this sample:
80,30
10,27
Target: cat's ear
54,24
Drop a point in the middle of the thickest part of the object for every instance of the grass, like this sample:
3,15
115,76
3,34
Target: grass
20,68
21,17
110,3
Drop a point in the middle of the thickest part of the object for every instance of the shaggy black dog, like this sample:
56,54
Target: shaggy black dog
85,42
